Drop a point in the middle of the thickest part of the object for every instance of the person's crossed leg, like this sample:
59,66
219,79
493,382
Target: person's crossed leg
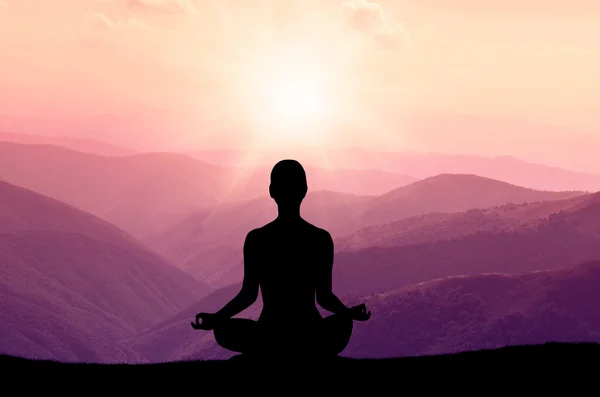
239,335
328,337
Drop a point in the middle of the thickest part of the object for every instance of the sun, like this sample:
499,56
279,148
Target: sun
289,96
296,99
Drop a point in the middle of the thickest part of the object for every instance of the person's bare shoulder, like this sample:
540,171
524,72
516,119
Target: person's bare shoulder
322,235
252,243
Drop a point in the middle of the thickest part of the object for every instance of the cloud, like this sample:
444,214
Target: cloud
364,16
101,31
163,6
98,22
394,37
567,52
368,18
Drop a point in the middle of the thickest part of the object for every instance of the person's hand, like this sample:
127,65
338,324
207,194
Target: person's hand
360,313
209,320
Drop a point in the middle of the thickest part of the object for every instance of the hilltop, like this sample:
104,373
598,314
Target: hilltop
569,235
450,193
72,285
516,364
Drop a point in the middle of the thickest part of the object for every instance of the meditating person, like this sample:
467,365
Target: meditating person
291,261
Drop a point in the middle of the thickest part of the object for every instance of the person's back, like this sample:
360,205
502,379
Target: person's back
290,261
290,256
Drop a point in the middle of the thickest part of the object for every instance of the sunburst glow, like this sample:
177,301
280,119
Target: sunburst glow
290,96
295,98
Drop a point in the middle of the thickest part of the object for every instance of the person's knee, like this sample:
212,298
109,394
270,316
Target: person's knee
223,332
347,322
221,335
235,334
341,323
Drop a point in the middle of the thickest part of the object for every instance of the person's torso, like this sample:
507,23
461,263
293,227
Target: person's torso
288,259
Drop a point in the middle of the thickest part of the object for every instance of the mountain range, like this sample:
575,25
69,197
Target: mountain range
442,316
106,256
569,235
79,144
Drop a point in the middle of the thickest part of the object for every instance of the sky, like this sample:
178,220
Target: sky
471,76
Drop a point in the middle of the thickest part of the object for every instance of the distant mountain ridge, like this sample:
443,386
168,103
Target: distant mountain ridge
82,145
436,226
451,193
208,244
424,165
118,188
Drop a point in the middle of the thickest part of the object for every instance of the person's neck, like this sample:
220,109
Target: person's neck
289,213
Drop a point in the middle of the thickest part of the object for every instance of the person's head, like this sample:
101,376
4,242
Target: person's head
288,183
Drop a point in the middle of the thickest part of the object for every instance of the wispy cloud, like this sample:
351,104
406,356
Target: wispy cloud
101,30
163,6
579,52
99,22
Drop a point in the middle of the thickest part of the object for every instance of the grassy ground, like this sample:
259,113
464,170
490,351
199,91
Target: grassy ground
518,364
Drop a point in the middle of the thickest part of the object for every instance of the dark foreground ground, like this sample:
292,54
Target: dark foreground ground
540,365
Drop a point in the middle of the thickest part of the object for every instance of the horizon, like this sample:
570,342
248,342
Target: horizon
13,137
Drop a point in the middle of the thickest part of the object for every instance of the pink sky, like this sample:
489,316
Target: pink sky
186,74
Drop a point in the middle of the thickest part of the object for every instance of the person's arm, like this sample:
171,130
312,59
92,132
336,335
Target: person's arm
324,293
249,292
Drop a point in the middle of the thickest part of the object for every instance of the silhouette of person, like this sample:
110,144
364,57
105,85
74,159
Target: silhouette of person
291,261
